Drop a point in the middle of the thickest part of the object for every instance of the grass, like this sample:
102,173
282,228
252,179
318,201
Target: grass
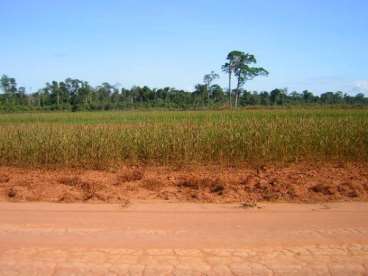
100,139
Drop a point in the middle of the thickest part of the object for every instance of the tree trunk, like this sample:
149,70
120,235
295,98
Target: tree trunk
203,96
230,88
236,98
237,93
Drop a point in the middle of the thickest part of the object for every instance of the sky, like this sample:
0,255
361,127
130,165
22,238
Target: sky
319,45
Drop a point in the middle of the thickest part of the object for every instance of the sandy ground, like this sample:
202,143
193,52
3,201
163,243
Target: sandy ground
160,238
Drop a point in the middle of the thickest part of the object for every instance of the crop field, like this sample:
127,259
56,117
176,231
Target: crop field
101,139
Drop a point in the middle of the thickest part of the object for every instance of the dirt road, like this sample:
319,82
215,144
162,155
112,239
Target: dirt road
183,239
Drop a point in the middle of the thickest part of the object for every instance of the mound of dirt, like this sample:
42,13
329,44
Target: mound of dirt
4,178
200,188
302,182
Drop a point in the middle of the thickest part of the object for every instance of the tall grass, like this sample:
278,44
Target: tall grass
107,138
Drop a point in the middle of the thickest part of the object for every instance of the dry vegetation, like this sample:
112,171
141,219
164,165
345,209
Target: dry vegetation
98,140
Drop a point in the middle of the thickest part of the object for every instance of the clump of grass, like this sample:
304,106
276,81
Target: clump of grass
99,140
202,183
152,184
130,175
72,181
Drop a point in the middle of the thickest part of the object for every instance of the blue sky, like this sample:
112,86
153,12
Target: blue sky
318,45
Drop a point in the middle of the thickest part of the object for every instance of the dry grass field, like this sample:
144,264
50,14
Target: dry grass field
104,139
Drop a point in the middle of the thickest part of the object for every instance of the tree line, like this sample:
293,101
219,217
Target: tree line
78,95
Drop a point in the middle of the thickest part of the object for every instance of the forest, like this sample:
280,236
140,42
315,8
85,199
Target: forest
78,95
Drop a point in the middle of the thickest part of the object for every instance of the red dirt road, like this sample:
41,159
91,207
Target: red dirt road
183,239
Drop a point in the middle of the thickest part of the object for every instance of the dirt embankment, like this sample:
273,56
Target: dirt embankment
294,183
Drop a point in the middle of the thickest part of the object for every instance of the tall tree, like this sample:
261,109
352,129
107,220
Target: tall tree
278,96
208,79
9,87
244,72
233,60
307,96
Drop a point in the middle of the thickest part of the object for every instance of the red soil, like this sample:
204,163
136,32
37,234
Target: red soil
302,182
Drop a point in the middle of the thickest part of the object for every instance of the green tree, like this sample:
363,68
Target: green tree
199,92
278,96
239,64
208,79
308,97
244,72
264,98
217,93
233,61
9,87
55,92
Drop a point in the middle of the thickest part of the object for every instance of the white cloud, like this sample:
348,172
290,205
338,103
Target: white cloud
361,86
331,83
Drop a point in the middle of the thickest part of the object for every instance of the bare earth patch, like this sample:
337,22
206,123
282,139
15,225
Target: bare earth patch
160,238
303,182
